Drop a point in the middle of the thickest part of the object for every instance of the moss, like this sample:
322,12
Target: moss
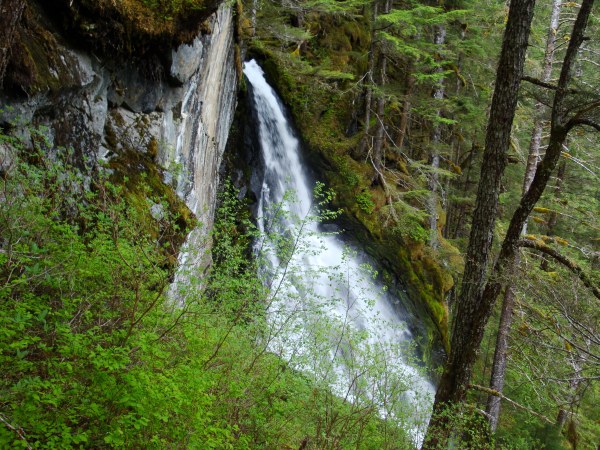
427,283
239,68
124,30
153,148
131,29
37,64
143,186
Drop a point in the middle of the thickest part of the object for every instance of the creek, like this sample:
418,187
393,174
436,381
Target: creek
328,315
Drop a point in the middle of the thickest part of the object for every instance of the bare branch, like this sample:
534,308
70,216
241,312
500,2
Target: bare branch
545,85
512,402
17,430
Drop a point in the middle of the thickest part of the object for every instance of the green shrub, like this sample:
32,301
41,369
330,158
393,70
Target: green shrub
364,200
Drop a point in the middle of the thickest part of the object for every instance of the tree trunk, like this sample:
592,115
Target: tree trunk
10,15
500,354
550,228
536,136
477,302
409,83
573,398
560,127
369,82
452,210
380,129
439,39
506,315
470,318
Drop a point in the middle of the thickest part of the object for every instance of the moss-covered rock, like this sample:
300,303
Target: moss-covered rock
132,28
159,210
141,32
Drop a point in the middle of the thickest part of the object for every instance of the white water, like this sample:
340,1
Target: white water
327,316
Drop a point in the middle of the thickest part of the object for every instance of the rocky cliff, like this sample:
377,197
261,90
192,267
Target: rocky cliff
158,105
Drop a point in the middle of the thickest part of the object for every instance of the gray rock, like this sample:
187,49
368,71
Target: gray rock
157,211
104,107
186,60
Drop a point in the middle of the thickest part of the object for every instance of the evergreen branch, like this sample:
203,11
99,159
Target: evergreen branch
512,402
571,265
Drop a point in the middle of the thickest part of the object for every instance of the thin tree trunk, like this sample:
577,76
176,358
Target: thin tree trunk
456,225
380,129
560,177
451,208
10,15
551,226
500,353
439,39
538,126
369,88
369,82
406,107
574,398
506,315
468,324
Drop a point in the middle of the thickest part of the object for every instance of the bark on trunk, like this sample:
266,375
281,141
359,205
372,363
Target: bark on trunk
538,126
470,317
560,176
573,398
506,315
380,130
451,207
500,354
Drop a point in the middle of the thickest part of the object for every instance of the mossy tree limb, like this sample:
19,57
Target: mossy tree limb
565,261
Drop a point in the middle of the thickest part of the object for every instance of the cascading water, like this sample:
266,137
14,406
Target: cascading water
326,315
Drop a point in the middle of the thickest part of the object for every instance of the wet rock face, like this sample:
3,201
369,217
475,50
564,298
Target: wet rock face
186,59
178,115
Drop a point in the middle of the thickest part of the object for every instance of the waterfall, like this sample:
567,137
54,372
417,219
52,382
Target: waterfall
327,316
